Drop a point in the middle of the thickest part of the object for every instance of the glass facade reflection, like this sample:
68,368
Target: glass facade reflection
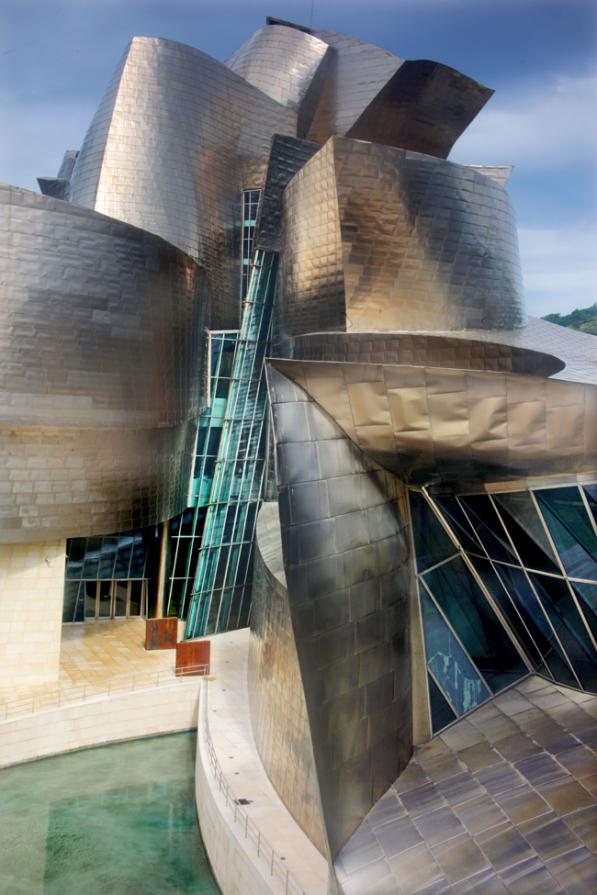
520,596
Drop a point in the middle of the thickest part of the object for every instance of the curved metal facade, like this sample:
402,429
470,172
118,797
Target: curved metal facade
101,341
175,140
378,239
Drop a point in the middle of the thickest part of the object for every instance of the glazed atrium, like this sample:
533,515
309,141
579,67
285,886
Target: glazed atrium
267,369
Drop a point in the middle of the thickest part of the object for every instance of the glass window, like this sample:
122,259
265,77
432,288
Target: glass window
523,595
526,530
90,593
76,555
495,587
441,713
120,590
587,597
459,524
136,604
558,602
69,606
92,555
449,663
476,624
107,557
591,495
488,527
570,527
432,544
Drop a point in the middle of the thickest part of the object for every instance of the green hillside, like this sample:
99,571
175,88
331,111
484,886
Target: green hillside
584,319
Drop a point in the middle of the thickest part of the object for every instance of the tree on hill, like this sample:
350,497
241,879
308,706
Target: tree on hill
583,319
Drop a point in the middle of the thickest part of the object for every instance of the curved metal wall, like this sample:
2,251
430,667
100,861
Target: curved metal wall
175,140
276,698
377,238
280,61
101,339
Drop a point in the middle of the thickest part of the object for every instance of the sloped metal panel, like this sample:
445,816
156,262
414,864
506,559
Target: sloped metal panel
466,426
355,73
175,140
377,238
101,340
425,106
279,61
348,574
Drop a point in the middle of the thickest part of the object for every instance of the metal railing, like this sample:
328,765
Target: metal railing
124,683
274,863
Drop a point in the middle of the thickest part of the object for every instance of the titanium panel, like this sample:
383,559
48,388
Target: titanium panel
348,574
276,698
355,73
430,424
101,342
378,238
424,350
175,140
279,61
425,106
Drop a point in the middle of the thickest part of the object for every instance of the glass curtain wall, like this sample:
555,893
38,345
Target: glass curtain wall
499,569
221,594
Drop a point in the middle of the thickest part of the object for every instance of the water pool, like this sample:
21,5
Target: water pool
115,820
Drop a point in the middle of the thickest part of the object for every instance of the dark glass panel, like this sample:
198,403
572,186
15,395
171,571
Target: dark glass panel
90,591
526,530
521,592
187,522
460,524
120,589
432,544
105,599
558,602
182,554
79,613
571,529
136,597
476,624
495,587
177,596
138,557
69,606
92,555
587,597
447,660
591,495
123,557
441,713
76,555
490,530
107,557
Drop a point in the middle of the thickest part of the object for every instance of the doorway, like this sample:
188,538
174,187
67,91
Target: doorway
124,598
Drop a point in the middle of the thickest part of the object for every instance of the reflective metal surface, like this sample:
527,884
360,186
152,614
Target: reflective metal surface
430,424
376,238
348,574
101,371
280,61
276,698
175,140
425,106
502,802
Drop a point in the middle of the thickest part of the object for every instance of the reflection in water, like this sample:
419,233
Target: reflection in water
118,820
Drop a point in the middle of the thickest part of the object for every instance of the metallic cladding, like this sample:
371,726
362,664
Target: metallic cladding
377,238
175,140
424,350
101,341
276,698
425,106
429,424
279,61
348,574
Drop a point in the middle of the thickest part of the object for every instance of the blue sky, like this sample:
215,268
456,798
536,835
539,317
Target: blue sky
540,56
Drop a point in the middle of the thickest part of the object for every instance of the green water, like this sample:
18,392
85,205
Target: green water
117,820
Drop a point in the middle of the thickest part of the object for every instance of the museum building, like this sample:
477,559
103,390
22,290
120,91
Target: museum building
266,363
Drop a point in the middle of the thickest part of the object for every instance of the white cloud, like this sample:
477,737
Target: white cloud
541,124
559,269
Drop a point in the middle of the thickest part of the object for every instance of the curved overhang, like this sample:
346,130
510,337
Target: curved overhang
101,340
432,425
